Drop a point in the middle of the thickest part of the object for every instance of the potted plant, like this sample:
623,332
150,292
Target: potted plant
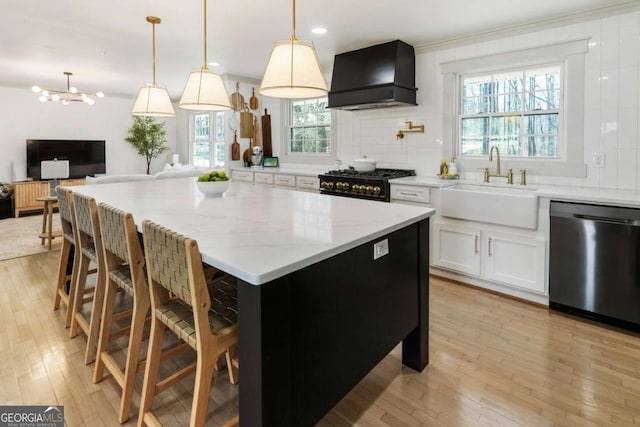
148,137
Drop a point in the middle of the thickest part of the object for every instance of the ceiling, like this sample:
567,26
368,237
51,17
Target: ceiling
106,44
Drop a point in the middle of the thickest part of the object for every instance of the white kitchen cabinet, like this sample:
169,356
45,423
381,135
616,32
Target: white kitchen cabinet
244,176
308,183
263,178
457,248
516,260
411,193
286,181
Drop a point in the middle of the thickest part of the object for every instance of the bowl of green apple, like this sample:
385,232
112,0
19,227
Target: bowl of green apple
213,184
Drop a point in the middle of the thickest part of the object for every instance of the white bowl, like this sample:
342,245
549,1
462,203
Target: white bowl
363,165
213,188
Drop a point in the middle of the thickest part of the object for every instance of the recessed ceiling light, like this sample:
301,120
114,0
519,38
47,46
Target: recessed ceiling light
214,64
103,53
319,30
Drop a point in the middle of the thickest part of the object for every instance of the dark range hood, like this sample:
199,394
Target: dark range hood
379,76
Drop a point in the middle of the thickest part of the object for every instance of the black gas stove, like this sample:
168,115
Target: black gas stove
373,185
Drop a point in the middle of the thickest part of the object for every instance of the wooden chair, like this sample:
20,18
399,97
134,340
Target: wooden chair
200,314
65,283
124,271
89,239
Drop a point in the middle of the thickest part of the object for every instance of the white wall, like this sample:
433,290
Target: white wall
23,116
611,107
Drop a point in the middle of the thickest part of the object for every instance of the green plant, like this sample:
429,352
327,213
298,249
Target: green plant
148,137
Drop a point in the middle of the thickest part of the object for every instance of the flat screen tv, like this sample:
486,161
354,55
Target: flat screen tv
85,157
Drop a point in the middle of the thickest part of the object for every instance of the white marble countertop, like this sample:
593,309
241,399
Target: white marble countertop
604,196
285,170
258,233
424,181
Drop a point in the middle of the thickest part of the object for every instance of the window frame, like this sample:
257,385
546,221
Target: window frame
560,111
216,145
571,55
287,156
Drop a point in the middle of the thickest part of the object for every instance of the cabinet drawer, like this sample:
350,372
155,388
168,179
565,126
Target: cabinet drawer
411,193
242,176
308,182
284,180
263,178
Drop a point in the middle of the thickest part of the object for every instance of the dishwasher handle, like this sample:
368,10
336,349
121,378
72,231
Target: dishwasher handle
620,221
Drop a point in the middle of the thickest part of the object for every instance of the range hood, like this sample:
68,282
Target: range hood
379,76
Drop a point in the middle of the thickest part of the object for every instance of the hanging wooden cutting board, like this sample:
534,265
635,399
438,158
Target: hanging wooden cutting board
256,139
236,99
246,123
253,102
246,156
235,148
266,134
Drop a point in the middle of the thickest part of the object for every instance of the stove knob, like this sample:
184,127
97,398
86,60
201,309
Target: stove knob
355,188
330,185
376,190
369,189
324,184
338,185
362,188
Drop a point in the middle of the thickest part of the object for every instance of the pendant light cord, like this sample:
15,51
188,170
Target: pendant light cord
153,38
204,67
293,35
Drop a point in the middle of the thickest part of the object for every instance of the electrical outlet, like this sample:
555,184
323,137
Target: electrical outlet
598,160
381,248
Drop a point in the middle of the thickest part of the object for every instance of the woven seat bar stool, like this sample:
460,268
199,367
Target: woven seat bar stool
65,283
202,315
89,240
124,261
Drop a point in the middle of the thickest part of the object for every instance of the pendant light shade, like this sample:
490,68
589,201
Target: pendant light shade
293,70
204,91
153,100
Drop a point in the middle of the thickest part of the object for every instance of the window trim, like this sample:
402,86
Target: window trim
212,137
317,158
572,55
561,153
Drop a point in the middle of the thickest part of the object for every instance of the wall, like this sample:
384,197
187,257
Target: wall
611,106
23,117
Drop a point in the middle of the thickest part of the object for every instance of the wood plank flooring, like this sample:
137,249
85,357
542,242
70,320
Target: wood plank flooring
494,361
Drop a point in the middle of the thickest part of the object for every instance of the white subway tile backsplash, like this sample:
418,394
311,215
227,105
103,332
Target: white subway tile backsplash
628,128
628,87
609,174
609,129
610,48
629,46
627,168
609,89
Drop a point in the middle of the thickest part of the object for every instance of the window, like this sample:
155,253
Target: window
532,109
310,127
518,111
208,148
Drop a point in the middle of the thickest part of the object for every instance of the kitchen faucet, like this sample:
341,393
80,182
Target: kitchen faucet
488,174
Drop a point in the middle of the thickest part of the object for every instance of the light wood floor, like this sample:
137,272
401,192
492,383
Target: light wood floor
493,362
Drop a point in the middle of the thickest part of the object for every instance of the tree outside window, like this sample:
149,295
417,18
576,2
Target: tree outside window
310,131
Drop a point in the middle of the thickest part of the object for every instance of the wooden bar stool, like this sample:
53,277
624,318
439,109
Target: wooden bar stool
65,283
89,240
200,314
124,262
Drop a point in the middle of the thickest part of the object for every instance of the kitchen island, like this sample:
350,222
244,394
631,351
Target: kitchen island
328,285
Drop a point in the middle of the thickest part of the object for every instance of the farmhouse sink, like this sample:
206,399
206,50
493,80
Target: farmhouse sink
513,207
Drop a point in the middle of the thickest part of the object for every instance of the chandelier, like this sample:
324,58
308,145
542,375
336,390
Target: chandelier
66,96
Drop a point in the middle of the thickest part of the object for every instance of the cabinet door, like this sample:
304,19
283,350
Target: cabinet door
287,181
308,183
457,248
263,178
411,193
515,260
242,176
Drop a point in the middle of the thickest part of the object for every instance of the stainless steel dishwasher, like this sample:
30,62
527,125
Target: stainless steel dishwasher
594,262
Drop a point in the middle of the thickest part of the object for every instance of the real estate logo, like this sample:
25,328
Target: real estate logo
32,416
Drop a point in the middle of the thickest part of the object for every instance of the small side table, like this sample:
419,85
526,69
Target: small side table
47,220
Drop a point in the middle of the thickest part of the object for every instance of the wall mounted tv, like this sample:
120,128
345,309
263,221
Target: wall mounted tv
85,157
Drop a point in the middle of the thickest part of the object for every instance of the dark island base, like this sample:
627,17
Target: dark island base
308,338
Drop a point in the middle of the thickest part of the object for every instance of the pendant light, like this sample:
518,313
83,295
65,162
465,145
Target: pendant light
204,91
153,100
293,70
